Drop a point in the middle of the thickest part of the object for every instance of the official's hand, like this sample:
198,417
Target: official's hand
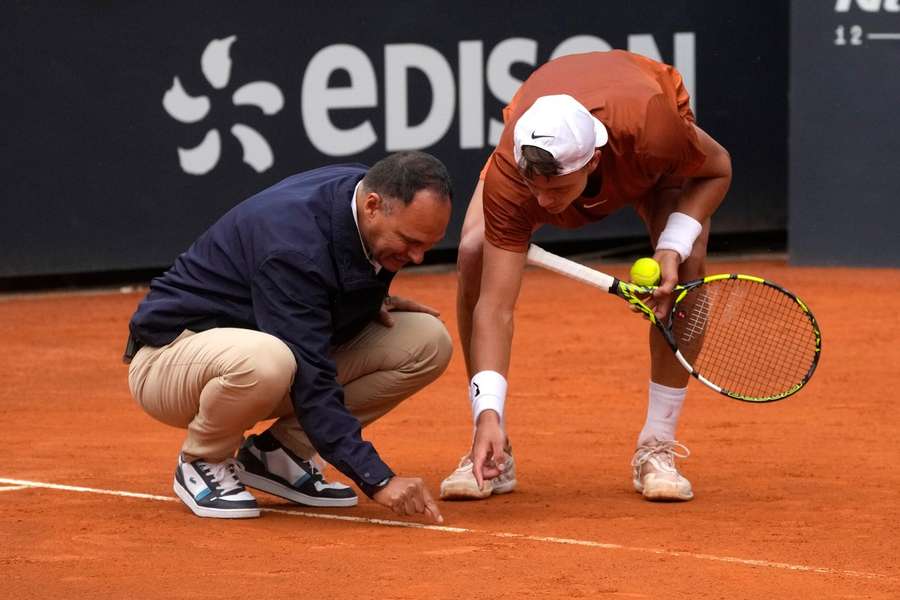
392,303
488,456
408,496
661,300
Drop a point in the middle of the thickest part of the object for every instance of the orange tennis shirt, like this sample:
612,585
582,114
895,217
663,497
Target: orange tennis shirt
652,142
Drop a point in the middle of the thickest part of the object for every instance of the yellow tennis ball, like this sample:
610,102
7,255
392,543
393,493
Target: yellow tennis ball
645,271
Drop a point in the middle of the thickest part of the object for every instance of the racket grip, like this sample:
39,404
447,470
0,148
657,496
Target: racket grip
540,257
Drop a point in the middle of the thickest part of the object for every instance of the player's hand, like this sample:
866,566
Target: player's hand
661,300
392,303
488,457
408,496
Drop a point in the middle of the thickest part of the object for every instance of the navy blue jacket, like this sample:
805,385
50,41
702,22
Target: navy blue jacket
289,262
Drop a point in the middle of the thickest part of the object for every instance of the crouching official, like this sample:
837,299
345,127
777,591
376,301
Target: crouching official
281,311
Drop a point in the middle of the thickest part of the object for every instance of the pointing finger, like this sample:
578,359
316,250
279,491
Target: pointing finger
431,508
477,466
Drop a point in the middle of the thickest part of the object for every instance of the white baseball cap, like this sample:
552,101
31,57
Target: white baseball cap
562,126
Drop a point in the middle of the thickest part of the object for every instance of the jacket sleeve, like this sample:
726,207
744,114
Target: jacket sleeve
291,300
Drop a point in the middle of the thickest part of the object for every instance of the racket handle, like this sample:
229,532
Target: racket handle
540,257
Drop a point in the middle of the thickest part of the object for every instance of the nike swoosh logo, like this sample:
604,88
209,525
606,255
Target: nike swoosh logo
595,204
535,137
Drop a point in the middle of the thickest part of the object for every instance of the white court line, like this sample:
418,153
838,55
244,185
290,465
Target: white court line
883,36
12,488
441,528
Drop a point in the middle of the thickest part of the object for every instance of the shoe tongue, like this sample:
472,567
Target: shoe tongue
280,463
664,460
225,477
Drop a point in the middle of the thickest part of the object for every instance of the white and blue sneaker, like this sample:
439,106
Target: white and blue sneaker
272,468
213,489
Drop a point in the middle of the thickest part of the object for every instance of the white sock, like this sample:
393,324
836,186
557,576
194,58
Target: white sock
663,410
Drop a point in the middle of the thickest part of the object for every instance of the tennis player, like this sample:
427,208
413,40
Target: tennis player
584,136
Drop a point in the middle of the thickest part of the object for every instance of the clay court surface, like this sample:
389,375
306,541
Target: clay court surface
796,499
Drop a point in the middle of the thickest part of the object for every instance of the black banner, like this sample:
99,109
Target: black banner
845,138
131,128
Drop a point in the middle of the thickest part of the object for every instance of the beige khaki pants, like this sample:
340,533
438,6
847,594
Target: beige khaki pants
221,382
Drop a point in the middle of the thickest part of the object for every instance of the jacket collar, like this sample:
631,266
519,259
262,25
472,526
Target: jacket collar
353,266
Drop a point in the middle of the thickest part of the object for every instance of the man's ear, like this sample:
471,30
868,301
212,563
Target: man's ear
595,161
372,204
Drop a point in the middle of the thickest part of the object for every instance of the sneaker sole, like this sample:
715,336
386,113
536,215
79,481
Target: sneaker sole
465,490
213,513
663,494
282,491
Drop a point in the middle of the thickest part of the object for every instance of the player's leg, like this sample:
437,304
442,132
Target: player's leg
217,384
653,466
665,369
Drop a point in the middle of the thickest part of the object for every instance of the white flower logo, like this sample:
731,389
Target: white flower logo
216,66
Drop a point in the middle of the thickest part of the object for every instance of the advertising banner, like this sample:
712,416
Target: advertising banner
131,128
845,133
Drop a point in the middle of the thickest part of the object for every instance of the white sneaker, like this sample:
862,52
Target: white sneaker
213,489
461,484
654,473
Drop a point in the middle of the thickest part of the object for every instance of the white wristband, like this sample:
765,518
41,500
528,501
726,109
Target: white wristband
487,391
680,234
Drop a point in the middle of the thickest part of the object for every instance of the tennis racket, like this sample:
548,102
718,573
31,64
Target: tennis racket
743,336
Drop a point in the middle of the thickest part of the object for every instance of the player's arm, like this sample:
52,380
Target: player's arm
707,186
702,194
492,331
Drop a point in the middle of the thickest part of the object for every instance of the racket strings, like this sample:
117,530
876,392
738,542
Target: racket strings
746,337
767,358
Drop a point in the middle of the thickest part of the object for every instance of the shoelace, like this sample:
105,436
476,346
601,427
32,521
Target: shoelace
665,452
313,467
313,470
225,475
